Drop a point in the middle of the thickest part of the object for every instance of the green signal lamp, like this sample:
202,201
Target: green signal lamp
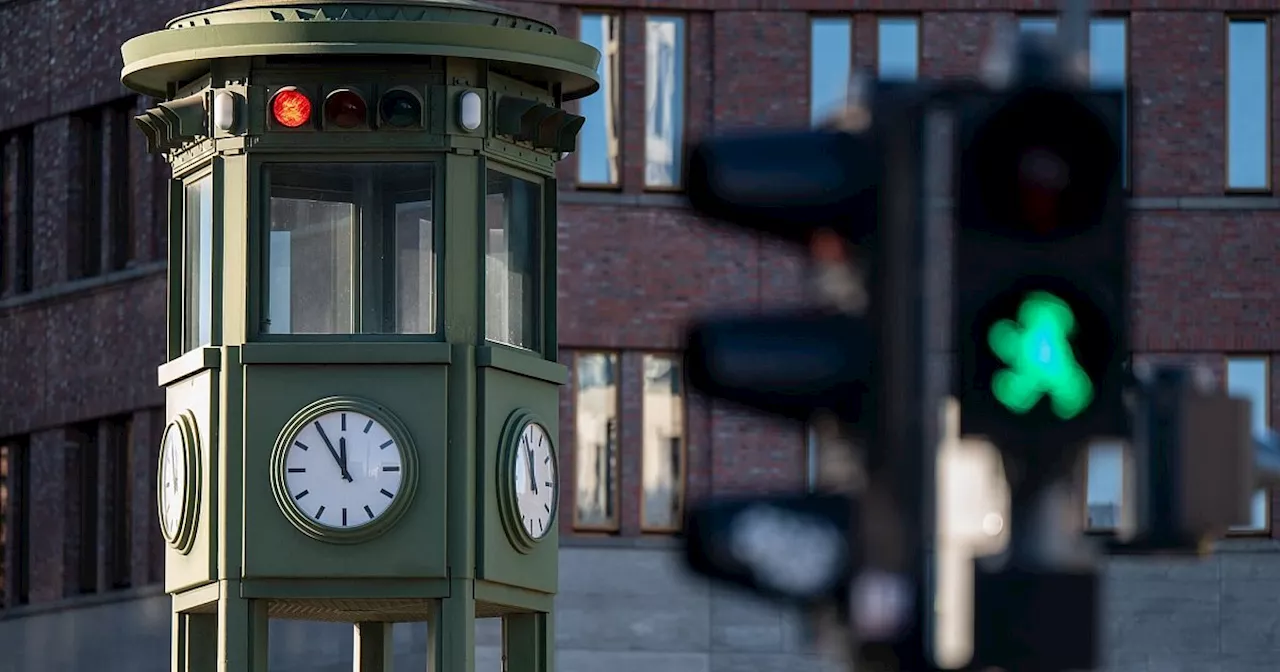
1039,359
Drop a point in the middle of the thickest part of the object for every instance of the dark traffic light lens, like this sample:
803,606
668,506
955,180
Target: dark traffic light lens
1043,166
400,108
1045,348
345,108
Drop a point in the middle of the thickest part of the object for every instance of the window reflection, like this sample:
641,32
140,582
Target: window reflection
663,456
598,143
351,249
664,101
1104,485
513,257
197,264
597,441
899,45
1038,24
1247,379
830,60
1248,144
1108,68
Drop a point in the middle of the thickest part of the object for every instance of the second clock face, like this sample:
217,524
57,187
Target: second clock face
173,482
343,470
536,483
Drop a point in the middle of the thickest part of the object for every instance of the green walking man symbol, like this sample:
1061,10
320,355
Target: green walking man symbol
1039,358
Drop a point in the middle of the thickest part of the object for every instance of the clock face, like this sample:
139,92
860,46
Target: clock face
173,482
536,481
343,470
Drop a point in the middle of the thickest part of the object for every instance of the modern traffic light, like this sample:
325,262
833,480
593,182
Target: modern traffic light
1041,268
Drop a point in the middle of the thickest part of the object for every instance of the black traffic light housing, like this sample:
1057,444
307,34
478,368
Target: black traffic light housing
1042,235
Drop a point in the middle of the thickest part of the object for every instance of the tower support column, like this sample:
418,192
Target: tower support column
451,632
242,631
373,650
529,642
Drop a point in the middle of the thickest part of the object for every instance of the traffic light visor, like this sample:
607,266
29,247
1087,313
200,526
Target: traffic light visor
1042,166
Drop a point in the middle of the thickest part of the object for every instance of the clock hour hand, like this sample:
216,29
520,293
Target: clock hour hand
533,481
333,451
342,453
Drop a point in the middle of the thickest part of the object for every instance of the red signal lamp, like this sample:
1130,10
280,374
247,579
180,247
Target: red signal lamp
290,107
346,109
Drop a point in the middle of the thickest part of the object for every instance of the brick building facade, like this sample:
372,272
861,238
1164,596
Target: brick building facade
82,300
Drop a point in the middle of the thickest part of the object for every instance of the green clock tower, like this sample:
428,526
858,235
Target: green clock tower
362,382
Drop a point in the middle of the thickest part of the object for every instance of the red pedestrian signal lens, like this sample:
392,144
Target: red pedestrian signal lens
291,108
345,108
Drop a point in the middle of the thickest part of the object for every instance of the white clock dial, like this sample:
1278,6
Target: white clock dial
173,482
343,470
536,481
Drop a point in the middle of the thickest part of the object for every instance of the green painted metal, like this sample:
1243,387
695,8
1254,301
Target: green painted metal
155,61
448,553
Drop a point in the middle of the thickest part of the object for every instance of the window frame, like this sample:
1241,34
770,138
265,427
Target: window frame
685,69
616,471
1265,20
919,25
258,245
1268,393
177,256
620,116
683,490
826,16
545,322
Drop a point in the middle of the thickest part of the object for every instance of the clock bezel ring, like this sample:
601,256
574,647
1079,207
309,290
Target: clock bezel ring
509,507
408,466
183,540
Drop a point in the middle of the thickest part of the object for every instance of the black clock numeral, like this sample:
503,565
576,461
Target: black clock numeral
297,470
388,495
547,508
344,516
540,437
368,426
344,422
541,525
300,495
549,484
388,443
301,445
319,513
391,468
368,511
546,460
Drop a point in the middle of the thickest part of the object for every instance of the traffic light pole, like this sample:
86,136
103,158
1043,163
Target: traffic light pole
898,504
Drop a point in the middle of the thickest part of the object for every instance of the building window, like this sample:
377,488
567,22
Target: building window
351,249
118,502
1248,86
513,261
17,202
1038,24
197,264
596,434
830,61
1108,68
663,456
899,49
15,575
1104,486
599,143
664,69
83,439
86,245
103,241
1247,378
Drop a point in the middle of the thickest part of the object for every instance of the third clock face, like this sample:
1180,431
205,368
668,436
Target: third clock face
343,470
173,482
536,483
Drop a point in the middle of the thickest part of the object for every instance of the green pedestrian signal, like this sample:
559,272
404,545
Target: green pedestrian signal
1039,359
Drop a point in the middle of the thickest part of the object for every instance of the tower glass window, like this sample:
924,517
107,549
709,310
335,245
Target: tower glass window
351,249
513,259
197,264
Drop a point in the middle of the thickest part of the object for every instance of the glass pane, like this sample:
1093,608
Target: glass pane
1247,89
351,249
1038,24
513,256
830,60
663,433
598,142
597,441
1247,379
664,101
1104,496
1108,68
899,43
197,318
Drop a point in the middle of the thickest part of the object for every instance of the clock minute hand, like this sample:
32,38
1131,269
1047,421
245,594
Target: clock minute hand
333,451
533,481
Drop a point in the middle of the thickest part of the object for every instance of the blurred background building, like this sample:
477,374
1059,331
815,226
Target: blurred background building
82,301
